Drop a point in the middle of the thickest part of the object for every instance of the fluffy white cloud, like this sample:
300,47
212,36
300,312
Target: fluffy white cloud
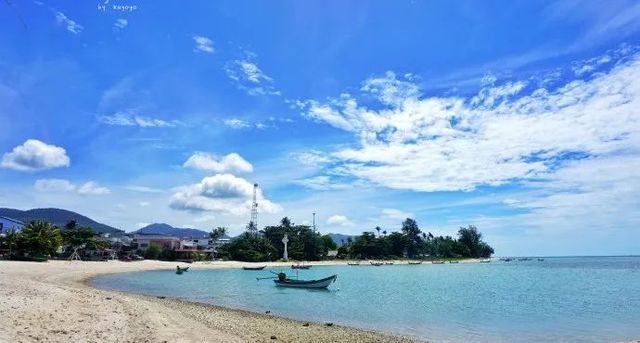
339,220
498,136
120,24
92,188
231,163
395,214
236,123
249,77
224,193
127,119
204,44
62,185
35,155
70,25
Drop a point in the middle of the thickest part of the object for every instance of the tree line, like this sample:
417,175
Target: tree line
38,240
305,244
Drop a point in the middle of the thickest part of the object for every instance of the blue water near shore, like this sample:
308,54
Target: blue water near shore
578,299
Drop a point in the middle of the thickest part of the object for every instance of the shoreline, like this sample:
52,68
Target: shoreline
54,301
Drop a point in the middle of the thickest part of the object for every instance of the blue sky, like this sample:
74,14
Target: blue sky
520,117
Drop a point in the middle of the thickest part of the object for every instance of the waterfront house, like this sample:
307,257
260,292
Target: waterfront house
167,242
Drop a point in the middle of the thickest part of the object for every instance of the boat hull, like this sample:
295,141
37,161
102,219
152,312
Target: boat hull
322,283
300,267
253,268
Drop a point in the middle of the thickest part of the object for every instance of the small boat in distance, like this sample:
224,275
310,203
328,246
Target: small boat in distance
377,264
253,268
485,261
541,259
453,261
301,266
389,263
437,262
418,262
353,263
179,270
283,281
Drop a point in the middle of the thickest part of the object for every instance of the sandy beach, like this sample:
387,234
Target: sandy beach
52,302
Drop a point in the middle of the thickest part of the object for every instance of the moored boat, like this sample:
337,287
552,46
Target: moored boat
377,264
253,268
418,262
300,266
283,281
437,262
353,263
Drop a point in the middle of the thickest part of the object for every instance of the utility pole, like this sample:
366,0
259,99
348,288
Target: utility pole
314,222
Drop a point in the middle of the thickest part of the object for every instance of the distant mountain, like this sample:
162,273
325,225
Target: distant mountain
58,217
338,238
166,229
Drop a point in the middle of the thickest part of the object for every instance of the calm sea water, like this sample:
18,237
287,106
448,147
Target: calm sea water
560,299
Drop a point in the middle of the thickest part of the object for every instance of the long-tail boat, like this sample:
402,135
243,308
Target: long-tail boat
253,268
321,283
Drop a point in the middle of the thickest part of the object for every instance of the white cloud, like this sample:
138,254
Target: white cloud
35,155
232,162
92,188
496,137
204,44
143,189
339,220
395,214
120,24
236,123
249,77
222,193
71,25
127,119
322,183
313,158
144,203
62,185
54,185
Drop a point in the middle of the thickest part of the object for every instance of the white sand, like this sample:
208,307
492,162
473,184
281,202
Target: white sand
51,302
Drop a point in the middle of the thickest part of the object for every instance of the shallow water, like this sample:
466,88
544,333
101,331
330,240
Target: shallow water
560,299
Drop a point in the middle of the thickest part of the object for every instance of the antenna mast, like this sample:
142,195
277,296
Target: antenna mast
253,224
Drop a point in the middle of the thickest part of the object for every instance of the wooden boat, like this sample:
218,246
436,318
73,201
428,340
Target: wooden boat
419,262
322,283
253,268
178,269
453,261
377,264
437,262
389,263
353,264
300,266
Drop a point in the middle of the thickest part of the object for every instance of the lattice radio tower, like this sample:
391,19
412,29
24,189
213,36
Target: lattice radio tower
253,224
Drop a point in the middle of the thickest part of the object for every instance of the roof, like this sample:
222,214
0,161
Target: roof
13,220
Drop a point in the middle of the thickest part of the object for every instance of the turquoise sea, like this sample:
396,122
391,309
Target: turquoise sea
568,299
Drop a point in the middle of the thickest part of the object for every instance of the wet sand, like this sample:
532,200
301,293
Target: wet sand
52,302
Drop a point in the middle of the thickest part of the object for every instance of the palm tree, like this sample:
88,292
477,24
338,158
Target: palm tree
378,229
216,234
384,232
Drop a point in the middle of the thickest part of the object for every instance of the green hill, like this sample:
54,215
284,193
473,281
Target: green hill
58,217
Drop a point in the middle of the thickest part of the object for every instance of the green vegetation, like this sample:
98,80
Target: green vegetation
305,244
36,241
153,252
411,242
